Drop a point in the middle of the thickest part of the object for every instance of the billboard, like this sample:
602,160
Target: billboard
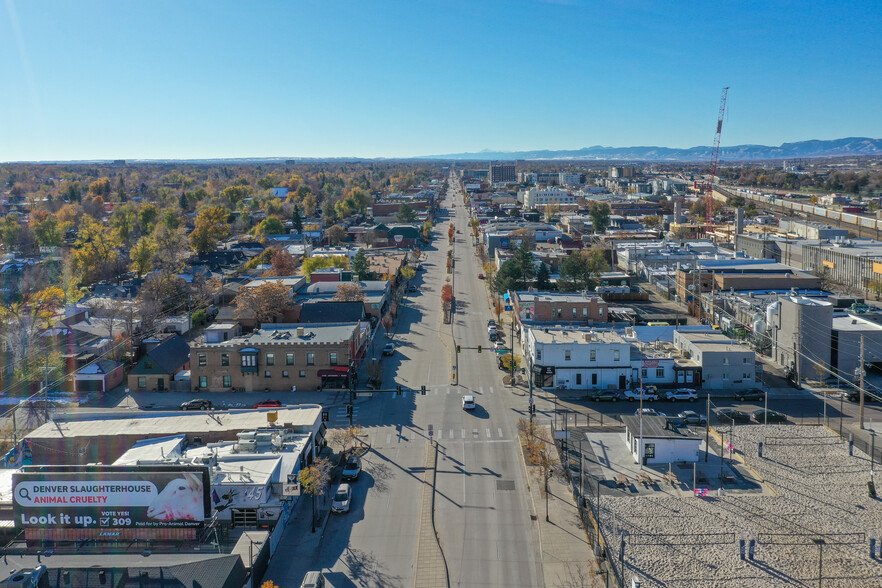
110,497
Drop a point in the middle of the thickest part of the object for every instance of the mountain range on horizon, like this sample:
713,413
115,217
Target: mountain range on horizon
849,146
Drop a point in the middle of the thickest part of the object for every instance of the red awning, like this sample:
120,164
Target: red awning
334,372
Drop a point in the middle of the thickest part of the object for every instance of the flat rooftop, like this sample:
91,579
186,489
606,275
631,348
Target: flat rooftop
555,335
656,427
851,322
284,333
571,297
170,423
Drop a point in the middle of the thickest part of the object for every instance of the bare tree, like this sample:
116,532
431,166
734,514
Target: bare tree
314,479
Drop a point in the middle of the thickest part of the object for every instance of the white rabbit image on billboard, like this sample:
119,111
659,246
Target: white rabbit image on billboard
181,500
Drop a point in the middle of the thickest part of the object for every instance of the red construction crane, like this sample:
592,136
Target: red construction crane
715,158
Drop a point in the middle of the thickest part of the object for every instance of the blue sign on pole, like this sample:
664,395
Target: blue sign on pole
508,307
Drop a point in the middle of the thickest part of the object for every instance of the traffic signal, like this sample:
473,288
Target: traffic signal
532,409
479,349
348,410
326,416
458,349
423,390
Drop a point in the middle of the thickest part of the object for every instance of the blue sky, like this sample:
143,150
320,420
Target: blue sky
191,79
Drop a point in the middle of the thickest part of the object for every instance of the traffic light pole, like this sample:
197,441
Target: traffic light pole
353,392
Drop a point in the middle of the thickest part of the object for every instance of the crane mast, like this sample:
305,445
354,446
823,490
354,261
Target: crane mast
715,158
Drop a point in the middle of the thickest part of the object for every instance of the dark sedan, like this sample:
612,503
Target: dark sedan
730,415
608,395
770,416
752,394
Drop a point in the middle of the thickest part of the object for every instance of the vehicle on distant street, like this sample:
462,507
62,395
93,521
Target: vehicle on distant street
342,499
468,402
389,349
690,417
771,416
649,393
853,396
480,276
606,395
268,403
649,412
196,404
752,394
681,394
731,415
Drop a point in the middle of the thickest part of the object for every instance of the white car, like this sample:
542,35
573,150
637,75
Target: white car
649,393
649,412
682,394
342,499
468,402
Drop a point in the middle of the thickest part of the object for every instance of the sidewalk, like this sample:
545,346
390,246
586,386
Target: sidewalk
567,556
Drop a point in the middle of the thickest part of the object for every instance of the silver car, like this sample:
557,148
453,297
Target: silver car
342,499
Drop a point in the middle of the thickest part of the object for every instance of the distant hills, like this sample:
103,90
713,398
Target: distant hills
814,148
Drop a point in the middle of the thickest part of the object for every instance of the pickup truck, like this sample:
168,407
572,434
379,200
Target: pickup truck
649,393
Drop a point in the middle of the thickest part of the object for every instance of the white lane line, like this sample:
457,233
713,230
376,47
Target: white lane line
481,390
451,433
491,389
500,431
448,390
389,438
488,433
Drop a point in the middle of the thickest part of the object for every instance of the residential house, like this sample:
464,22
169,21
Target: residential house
99,376
165,356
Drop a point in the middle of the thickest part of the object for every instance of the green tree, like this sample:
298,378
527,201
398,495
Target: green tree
580,269
543,277
211,226
141,255
96,251
315,263
147,217
171,248
523,259
360,265
507,278
360,199
49,232
406,213
9,232
124,221
270,226
599,213
297,220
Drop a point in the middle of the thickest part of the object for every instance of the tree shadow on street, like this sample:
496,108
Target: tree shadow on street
365,570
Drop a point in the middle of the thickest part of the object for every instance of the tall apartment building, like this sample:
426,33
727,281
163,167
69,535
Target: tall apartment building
541,196
622,172
501,171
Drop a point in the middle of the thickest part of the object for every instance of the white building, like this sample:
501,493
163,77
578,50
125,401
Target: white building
579,359
536,197
570,179
661,443
725,365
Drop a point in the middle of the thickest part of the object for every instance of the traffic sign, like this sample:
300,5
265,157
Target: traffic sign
431,431
531,400
508,308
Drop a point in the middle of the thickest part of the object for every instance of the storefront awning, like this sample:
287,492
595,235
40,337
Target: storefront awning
334,372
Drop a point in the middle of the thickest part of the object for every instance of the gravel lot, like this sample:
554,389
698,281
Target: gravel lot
822,491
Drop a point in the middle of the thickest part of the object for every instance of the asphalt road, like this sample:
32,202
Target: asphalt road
482,511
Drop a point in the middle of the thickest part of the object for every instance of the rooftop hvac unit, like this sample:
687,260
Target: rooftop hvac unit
29,578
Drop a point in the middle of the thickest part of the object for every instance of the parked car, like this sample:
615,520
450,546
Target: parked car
468,402
649,412
731,415
853,396
648,392
389,349
420,268
499,346
342,499
351,469
491,322
690,417
313,580
493,335
268,403
771,416
682,394
480,276
413,289
197,404
752,394
608,395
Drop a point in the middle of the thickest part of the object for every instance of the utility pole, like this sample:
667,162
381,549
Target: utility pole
861,387
707,431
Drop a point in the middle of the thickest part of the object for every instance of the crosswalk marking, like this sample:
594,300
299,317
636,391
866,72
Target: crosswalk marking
448,390
451,433
389,438
440,434
436,391
500,431
463,433
491,389
475,433
481,390
488,433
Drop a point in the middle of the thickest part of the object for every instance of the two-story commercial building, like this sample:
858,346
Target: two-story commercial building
724,364
578,359
579,308
281,357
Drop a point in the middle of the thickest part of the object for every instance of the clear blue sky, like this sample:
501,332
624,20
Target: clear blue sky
190,79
